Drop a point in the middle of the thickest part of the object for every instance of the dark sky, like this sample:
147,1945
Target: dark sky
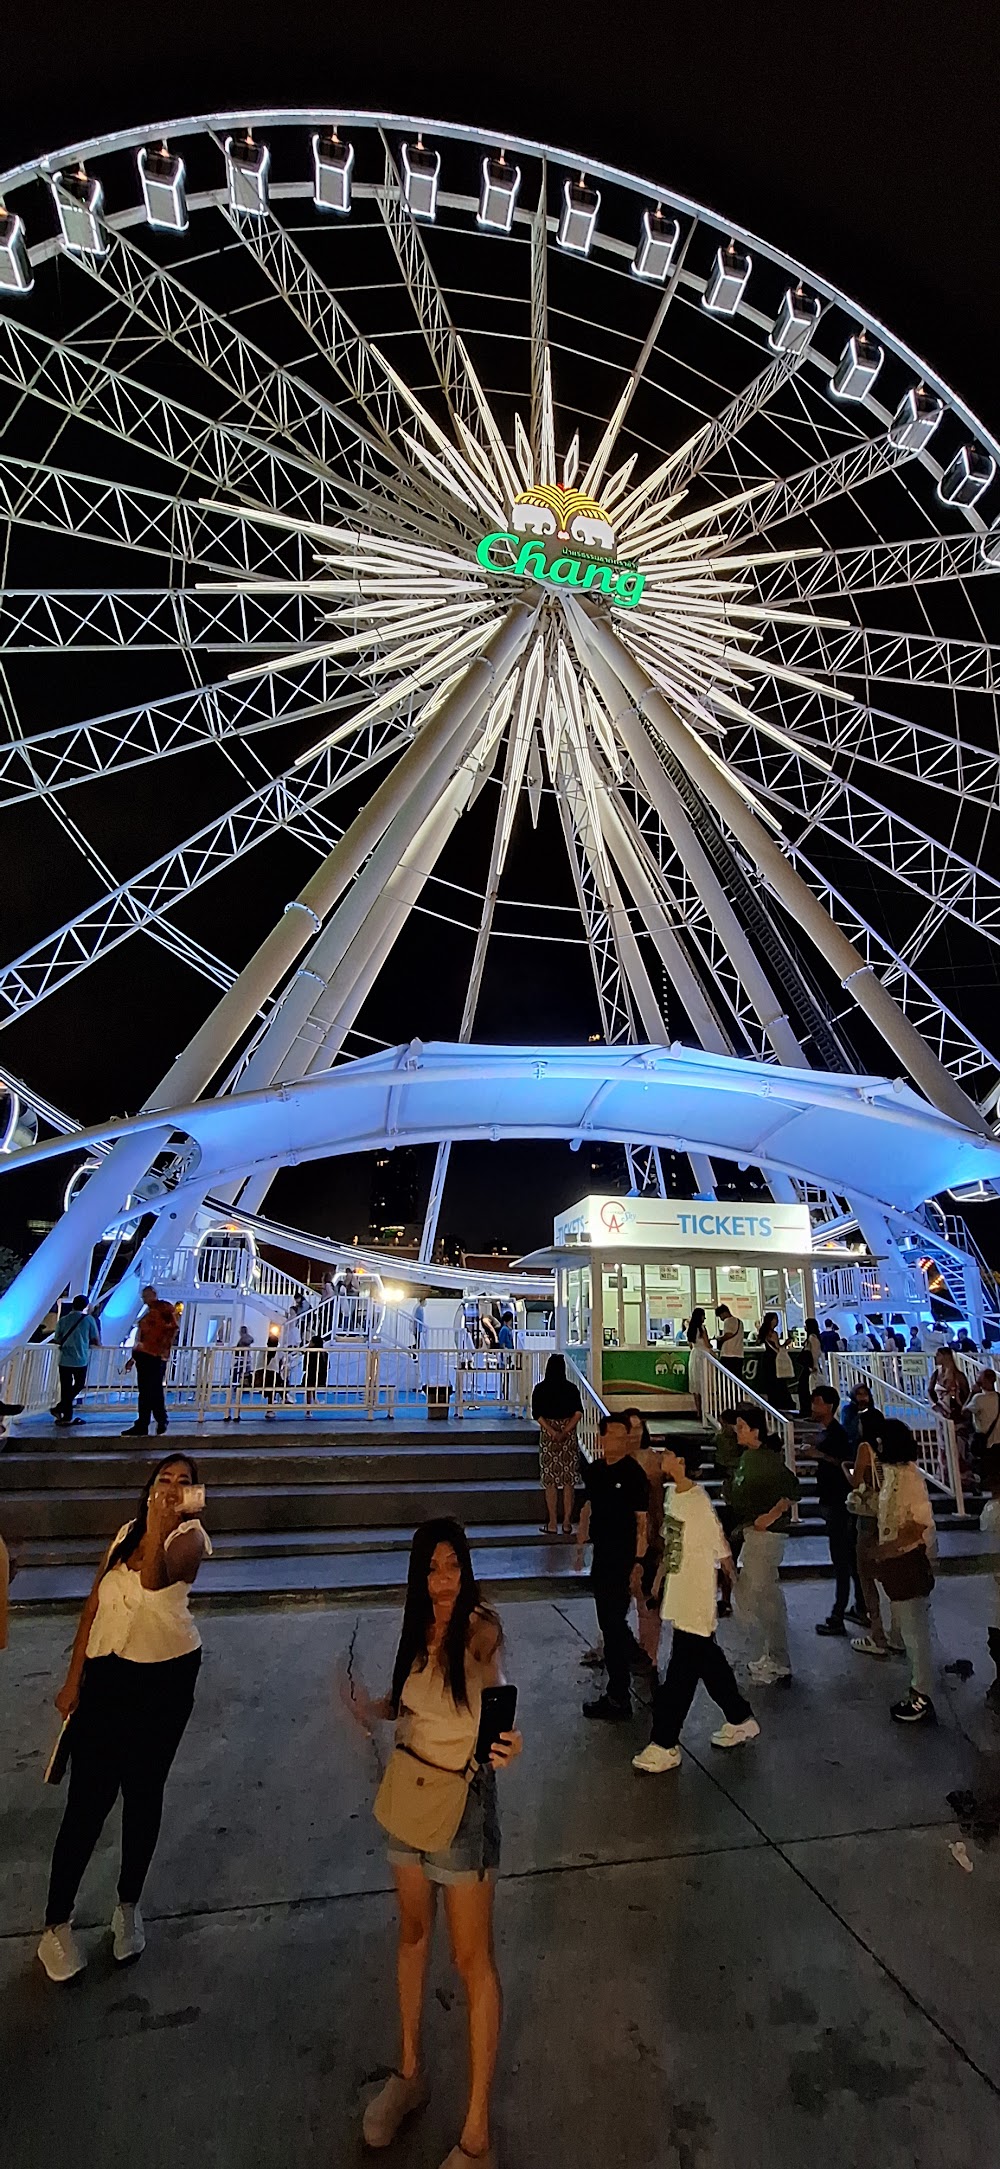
861,138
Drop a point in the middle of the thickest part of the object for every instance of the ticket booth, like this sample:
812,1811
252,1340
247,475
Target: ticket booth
629,1271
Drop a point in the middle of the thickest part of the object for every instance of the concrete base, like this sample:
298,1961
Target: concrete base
768,1957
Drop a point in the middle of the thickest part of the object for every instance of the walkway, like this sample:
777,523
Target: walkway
767,1960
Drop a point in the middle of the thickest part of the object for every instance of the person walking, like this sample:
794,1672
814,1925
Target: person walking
906,1547
557,1409
647,1604
449,1650
811,1365
866,1483
729,1343
694,1552
830,1451
155,1335
701,1348
75,1334
614,1518
764,1490
128,1695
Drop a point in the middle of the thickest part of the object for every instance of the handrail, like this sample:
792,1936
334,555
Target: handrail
725,1388
939,1464
588,1436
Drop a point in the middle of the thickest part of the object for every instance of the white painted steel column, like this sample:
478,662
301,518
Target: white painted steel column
681,974
47,1271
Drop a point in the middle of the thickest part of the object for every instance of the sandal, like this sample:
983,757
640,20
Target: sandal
544,1530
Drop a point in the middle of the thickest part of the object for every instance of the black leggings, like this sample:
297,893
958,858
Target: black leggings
124,1734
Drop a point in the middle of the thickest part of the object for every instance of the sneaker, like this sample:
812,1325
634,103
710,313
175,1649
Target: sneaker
866,1646
12,1408
160,1428
833,1625
916,1710
766,1674
654,1760
736,1735
611,1713
128,1932
133,1432
855,1614
60,1953
394,2102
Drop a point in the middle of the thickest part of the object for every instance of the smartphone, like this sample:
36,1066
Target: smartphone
496,1714
193,1498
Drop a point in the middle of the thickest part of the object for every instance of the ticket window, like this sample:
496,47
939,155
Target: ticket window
668,1300
739,1287
578,1306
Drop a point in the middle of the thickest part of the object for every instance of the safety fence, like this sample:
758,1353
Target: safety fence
938,1454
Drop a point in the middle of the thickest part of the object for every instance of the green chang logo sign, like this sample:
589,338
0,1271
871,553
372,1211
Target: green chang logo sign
563,537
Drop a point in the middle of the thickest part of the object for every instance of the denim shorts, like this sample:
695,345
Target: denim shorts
474,1851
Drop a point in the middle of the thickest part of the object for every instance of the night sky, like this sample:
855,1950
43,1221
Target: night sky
862,139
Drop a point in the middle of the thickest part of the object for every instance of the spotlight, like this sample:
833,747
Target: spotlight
247,167
579,216
727,283
970,473
162,177
421,168
15,265
657,246
333,163
795,322
857,368
498,189
79,203
915,420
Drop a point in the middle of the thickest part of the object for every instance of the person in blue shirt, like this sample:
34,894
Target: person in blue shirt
76,1333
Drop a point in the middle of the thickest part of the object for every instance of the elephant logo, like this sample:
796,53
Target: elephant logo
570,515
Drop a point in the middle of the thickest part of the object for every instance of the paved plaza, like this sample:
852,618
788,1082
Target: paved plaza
770,1957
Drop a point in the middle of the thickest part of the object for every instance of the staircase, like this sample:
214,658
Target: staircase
312,1518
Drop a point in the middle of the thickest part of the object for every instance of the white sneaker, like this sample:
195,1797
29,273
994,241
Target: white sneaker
736,1735
60,1953
128,1932
654,1760
866,1646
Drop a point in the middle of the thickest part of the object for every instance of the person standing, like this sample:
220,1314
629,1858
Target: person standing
764,1490
811,1365
701,1348
866,1481
449,1651
830,1451
647,1606
906,1546
982,1416
947,1387
829,1339
614,1518
128,1695
155,1335
76,1333
694,1552
557,1409
729,1343
989,1526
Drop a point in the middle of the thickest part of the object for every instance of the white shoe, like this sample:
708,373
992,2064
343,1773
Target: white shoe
60,1953
736,1735
866,1646
128,1932
767,1674
654,1760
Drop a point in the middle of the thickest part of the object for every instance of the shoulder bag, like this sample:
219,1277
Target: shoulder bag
863,1500
907,1575
420,1804
783,1365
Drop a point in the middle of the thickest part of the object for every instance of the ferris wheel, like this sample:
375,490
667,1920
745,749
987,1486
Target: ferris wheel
384,477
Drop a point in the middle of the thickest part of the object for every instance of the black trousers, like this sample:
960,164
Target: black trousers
612,1596
72,1379
150,1372
695,1657
842,1536
125,1732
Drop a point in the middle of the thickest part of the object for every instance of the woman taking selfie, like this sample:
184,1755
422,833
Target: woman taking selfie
448,1657
128,1695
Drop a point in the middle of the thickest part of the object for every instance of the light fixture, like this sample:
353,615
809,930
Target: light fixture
727,281
421,169
15,264
247,167
858,367
657,248
162,178
498,187
795,322
578,218
333,164
79,203
971,472
915,420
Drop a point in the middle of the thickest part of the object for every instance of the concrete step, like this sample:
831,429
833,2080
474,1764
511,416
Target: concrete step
98,1512
375,1460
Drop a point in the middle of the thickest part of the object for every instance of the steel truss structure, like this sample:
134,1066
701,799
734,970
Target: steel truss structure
262,444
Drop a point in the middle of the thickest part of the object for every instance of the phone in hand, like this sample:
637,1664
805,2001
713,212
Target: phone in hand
192,1498
497,1711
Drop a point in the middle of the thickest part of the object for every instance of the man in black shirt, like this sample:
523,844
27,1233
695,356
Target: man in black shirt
830,1451
614,1520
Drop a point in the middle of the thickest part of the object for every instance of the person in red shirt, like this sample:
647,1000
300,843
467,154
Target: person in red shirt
155,1335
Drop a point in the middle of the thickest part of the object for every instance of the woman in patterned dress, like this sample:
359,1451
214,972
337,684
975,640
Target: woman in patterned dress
557,1408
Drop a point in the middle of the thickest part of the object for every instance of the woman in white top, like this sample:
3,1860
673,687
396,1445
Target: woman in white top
906,1530
129,1692
449,1650
701,1347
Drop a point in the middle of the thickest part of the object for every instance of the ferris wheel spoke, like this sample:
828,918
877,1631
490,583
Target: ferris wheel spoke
153,620
891,658
766,505
709,441
67,501
927,560
819,733
426,296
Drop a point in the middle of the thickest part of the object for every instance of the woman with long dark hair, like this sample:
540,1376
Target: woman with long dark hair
701,1349
128,1695
449,1651
557,1408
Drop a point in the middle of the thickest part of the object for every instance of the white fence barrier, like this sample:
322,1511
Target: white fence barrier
938,1456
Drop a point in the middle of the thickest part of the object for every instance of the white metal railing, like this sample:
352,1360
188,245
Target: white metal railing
847,1285
588,1434
938,1457
722,1389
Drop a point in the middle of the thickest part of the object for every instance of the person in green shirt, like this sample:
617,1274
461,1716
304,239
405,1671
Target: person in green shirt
763,1491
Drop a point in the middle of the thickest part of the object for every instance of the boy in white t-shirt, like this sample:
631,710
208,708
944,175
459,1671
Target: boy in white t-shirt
694,1547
